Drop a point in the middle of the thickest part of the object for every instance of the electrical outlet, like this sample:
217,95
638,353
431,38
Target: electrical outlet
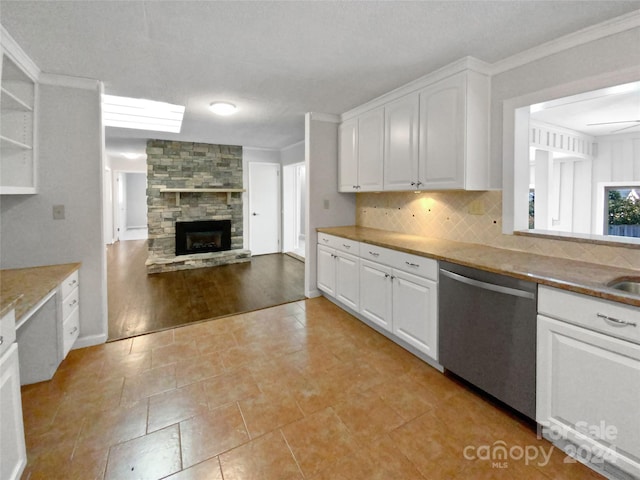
58,212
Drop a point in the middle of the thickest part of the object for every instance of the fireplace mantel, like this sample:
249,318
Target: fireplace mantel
178,191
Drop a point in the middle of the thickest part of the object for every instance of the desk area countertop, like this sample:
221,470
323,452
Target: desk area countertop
580,277
23,288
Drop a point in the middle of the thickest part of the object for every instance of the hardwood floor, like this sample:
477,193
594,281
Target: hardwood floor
141,303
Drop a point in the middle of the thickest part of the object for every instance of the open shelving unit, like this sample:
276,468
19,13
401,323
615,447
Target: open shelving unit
18,100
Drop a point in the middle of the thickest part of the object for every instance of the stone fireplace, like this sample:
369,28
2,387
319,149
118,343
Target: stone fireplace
194,205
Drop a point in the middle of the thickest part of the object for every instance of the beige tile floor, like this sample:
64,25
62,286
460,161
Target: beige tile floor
298,391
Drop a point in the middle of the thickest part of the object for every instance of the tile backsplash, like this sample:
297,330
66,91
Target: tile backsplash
474,217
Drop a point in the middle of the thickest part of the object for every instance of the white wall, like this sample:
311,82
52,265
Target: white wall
136,200
321,160
607,61
292,154
69,174
117,163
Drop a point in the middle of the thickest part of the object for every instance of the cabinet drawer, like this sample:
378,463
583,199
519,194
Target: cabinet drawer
376,254
69,284
70,330
590,312
7,331
339,243
69,303
421,266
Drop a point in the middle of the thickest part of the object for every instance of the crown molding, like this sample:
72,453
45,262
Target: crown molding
293,145
579,37
18,55
69,81
324,117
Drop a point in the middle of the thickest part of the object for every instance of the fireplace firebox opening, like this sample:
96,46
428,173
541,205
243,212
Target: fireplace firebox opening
203,236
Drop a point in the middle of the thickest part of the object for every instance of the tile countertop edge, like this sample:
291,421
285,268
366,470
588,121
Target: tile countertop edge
23,288
572,275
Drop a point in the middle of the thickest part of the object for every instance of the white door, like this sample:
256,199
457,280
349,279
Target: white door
326,270
371,151
348,156
348,280
264,208
415,311
375,293
401,143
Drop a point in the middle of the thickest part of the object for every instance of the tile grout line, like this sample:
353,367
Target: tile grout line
291,452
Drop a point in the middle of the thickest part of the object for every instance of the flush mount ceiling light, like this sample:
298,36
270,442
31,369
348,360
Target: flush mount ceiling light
223,108
141,114
132,155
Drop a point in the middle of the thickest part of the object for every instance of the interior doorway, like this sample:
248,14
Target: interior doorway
130,210
293,210
264,208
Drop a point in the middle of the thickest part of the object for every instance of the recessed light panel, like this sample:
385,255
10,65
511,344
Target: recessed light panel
141,114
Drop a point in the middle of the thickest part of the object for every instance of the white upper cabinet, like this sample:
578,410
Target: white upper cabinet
18,103
401,143
454,133
436,135
361,152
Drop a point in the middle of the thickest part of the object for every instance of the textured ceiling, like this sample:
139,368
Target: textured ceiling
276,60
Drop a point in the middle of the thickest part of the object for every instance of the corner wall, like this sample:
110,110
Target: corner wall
69,174
325,206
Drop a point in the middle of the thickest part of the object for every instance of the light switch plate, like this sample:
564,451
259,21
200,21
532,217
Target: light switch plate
58,212
325,204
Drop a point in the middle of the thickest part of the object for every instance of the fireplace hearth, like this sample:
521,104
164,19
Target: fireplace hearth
203,236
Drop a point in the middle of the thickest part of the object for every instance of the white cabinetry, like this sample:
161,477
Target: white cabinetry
454,133
361,152
338,271
13,455
70,312
401,143
436,135
18,103
588,382
399,293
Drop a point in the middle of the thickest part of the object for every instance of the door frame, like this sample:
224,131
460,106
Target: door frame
279,200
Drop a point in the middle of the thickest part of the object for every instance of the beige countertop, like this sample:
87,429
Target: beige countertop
581,277
23,288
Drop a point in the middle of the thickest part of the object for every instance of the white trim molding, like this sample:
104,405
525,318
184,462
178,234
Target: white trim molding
18,55
579,37
324,117
89,341
69,81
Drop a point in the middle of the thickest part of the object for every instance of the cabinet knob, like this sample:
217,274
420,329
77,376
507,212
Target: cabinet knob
413,184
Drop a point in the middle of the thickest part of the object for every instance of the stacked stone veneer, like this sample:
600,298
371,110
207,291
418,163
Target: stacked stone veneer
191,165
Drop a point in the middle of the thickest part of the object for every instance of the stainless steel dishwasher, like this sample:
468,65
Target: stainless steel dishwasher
487,333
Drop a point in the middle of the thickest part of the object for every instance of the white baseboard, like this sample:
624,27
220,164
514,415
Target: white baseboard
313,293
90,341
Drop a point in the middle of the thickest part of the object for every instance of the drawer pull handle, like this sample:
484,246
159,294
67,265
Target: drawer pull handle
75,329
346,246
73,303
1,339
73,282
375,254
412,264
325,240
614,322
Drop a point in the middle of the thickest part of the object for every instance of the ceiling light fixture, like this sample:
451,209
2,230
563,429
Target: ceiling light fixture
141,114
223,108
132,155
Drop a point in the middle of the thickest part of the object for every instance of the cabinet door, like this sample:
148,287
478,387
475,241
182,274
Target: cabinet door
326,276
12,445
371,150
415,311
401,143
347,280
588,389
442,127
348,156
375,293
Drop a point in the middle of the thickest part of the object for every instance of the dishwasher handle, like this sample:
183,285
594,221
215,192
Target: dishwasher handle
488,286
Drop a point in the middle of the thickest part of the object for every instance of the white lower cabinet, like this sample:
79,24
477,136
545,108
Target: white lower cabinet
415,311
376,293
588,382
338,271
13,454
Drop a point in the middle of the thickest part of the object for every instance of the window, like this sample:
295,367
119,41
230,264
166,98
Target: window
622,211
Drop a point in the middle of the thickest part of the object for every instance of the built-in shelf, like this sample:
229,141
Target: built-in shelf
179,191
10,101
9,142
